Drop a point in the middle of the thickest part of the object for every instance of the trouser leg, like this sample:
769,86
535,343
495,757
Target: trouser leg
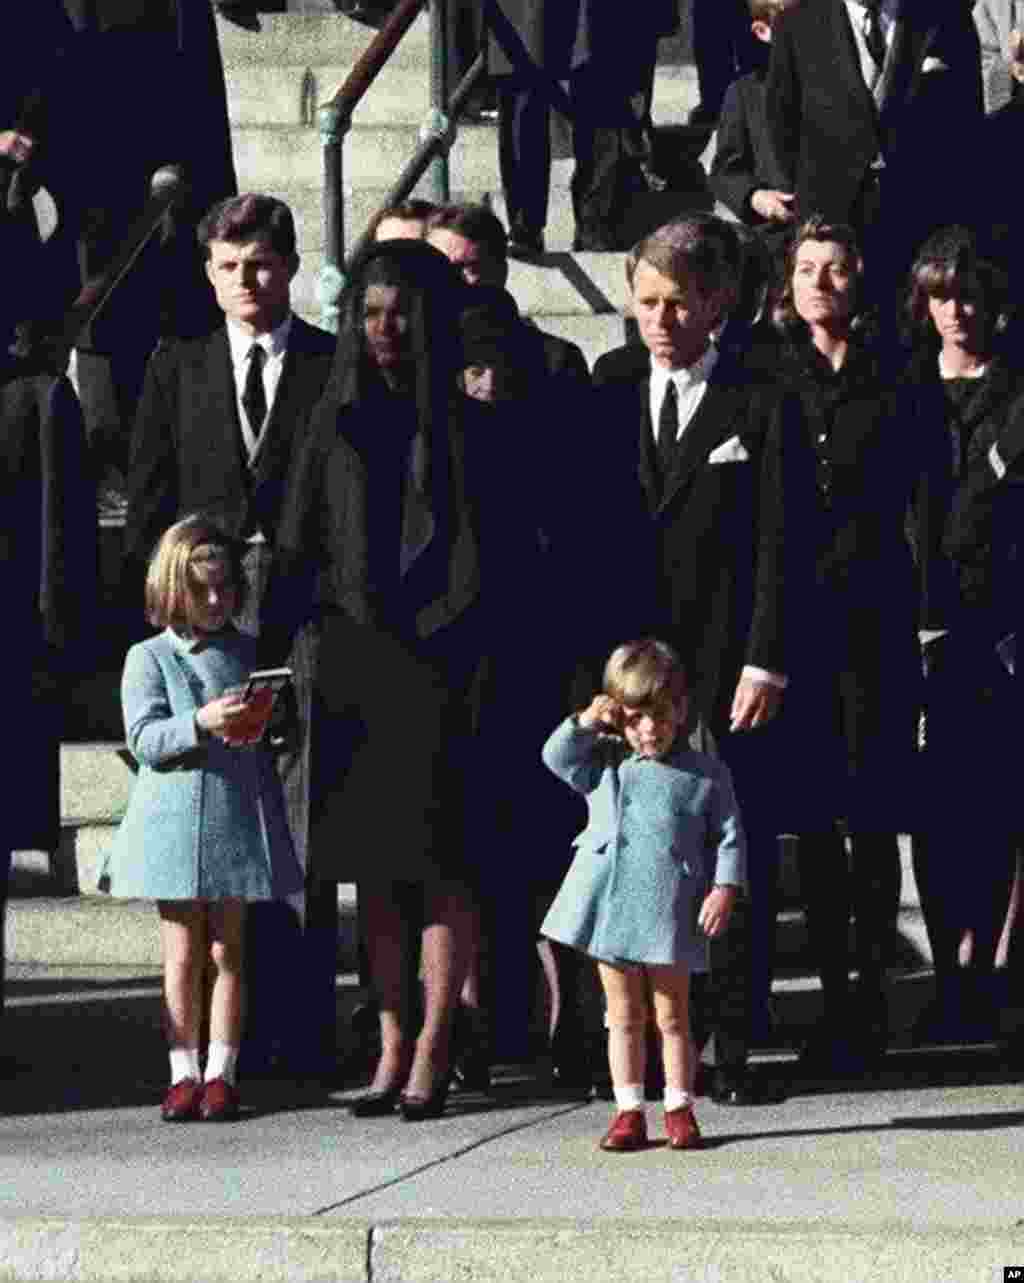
524,153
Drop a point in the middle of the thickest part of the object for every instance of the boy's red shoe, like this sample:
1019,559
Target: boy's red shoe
628,1131
681,1128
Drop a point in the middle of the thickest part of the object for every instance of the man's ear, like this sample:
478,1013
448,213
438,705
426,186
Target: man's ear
208,265
762,30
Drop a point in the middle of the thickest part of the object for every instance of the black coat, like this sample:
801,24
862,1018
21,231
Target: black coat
704,561
826,129
744,161
48,583
968,531
854,470
187,453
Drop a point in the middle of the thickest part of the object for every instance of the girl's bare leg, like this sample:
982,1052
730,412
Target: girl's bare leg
183,944
226,920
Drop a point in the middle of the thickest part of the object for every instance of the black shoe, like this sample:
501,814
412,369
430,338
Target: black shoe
417,1109
735,1087
701,117
374,1104
471,1049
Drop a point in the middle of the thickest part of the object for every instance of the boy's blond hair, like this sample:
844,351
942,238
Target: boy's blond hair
644,673
171,582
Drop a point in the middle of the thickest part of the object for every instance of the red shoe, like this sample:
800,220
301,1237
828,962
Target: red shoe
628,1131
181,1104
681,1129
219,1103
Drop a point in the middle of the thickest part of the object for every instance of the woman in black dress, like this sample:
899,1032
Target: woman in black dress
964,395
377,534
853,696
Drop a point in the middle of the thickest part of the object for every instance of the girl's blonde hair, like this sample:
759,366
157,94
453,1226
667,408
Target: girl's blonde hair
644,673
171,583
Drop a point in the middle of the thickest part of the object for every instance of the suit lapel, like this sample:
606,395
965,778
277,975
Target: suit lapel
714,422
849,68
219,393
646,468
290,403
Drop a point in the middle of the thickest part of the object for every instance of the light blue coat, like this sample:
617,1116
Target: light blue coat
204,821
660,833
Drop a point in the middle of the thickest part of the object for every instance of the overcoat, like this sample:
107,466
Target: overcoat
48,583
659,834
204,821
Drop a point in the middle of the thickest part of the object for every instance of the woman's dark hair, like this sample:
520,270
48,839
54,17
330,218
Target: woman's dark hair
818,228
949,263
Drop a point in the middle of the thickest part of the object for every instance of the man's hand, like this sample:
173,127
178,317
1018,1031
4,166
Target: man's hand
754,704
15,145
716,910
773,205
603,714
1015,53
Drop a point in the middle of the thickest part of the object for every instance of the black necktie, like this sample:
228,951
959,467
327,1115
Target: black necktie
873,36
254,396
668,429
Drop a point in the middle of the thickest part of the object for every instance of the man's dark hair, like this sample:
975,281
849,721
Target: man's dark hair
249,217
476,223
413,210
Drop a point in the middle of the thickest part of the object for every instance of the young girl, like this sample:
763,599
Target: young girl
663,826
205,828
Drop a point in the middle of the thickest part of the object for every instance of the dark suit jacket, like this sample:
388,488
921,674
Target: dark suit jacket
824,124
744,161
187,453
708,549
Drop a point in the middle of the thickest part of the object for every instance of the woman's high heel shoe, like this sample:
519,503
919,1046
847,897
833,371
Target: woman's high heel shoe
375,1104
416,1109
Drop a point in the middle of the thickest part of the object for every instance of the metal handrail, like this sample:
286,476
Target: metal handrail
437,136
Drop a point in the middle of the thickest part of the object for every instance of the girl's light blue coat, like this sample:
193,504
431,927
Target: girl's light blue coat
204,821
660,832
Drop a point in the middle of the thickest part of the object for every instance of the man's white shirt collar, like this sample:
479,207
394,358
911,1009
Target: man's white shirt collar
691,382
274,343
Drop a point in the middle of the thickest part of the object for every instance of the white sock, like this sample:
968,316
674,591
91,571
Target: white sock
221,1059
677,1098
184,1064
630,1097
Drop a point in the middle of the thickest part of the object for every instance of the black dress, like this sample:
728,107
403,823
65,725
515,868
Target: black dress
852,707
377,574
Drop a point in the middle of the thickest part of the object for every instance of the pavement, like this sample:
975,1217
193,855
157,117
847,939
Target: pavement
912,1172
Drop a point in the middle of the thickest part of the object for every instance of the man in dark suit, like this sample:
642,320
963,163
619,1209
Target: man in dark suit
697,504
608,60
863,100
217,425
220,415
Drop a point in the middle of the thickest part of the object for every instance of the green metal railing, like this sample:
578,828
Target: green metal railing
431,157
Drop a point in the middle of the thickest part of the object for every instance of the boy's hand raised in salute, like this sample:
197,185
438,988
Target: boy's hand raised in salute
603,714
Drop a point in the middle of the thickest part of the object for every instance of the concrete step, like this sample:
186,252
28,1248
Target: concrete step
97,930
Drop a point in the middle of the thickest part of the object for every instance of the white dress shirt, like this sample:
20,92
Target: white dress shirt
869,69
691,384
275,348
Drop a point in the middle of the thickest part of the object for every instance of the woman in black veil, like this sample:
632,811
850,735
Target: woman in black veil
378,547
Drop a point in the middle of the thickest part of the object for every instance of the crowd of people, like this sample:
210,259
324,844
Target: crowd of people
790,512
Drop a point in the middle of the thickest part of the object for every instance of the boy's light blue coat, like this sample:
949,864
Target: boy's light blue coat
660,833
204,821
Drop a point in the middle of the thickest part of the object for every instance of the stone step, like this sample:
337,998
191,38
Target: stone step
97,930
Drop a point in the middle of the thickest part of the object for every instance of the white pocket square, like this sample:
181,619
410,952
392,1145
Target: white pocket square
731,451
933,64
